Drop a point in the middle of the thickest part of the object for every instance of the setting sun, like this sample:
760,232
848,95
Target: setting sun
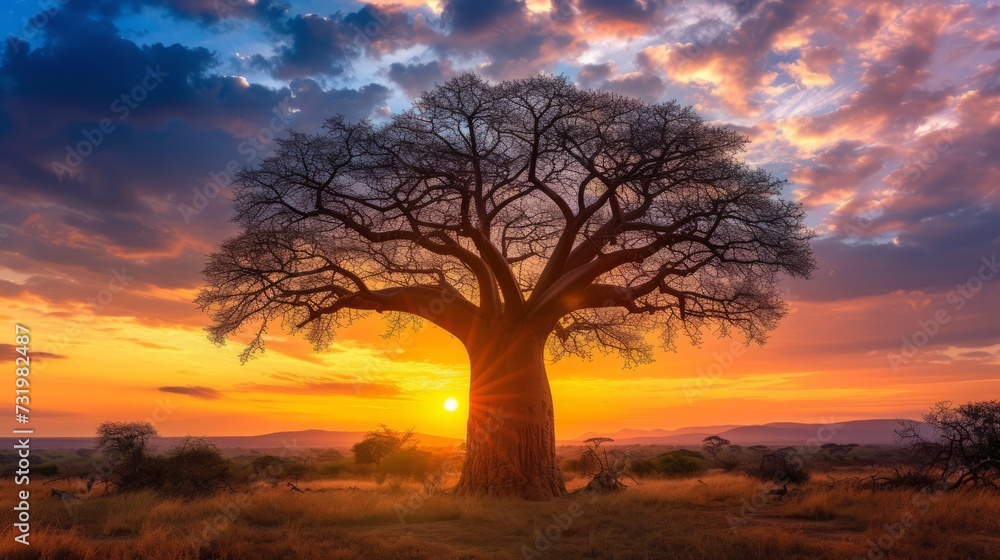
450,404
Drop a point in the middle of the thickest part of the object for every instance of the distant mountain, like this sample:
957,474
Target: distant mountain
658,432
300,439
776,433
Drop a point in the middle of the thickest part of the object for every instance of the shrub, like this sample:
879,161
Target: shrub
410,463
679,464
642,467
195,467
965,446
780,466
46,469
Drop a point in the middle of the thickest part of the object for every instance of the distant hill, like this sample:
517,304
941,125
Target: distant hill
776,433
301,439
659,432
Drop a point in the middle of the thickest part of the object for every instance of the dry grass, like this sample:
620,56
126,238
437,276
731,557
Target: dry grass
727,516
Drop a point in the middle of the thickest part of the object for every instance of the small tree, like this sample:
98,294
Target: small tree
195,467
125,445
713,445
837,450
965,447
780,466
607,467
378,444
125,441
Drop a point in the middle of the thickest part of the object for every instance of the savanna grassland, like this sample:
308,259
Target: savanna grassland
717,515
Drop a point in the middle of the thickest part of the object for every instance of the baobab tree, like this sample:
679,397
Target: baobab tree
518,217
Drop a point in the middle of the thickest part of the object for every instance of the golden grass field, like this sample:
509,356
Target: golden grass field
657,519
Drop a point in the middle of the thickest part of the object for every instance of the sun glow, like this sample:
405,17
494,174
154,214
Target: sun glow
450,404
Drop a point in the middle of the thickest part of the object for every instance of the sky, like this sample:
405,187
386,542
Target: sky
121,122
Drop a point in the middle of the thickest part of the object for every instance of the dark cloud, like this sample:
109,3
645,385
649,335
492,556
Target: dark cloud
635,14
319,45
648,87
205,12
593,74
118,204
9,353
294,384
475,16
416,78
195,391
316,104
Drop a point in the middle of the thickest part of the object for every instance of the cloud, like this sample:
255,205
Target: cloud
648,87
9,352
195,391
592,74
836,174
326,45
294,384
416,78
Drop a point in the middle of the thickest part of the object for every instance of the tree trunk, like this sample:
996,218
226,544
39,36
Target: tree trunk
510,446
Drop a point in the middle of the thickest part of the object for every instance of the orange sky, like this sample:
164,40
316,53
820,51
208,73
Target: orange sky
808,372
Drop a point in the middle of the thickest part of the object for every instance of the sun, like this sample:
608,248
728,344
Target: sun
450,404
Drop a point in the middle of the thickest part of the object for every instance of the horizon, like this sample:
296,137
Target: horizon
559,437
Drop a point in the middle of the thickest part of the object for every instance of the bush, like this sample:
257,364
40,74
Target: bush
780,466
679,464
574,466
687,453
410,463
270,469
195,467
965,445
642,467
46,469
728,464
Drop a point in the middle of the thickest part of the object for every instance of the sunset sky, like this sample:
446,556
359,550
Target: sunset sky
884,117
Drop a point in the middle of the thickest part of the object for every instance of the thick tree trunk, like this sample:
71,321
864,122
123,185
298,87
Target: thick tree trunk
510,447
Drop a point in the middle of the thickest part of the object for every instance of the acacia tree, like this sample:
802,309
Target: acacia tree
513,216
964,447
713,445
374,446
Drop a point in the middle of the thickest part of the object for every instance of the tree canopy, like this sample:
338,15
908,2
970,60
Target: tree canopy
586,214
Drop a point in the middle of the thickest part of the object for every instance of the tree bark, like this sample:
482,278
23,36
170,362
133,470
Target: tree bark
510,446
